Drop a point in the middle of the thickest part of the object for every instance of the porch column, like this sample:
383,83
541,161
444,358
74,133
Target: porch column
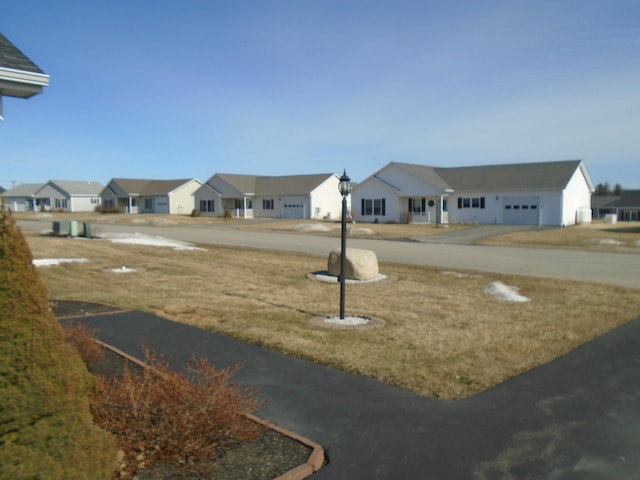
244,207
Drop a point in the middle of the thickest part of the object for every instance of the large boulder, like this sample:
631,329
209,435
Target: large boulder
359,264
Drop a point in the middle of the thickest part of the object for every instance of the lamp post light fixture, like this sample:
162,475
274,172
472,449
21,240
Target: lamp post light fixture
345,188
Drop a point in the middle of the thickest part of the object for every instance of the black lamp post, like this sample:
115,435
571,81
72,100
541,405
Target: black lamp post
345,188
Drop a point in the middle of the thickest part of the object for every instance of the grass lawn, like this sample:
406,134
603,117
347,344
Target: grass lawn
622,237
444,337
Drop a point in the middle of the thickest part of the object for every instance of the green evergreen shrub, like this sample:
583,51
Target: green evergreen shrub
46,428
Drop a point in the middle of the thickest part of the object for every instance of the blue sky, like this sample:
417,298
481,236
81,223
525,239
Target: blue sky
165,89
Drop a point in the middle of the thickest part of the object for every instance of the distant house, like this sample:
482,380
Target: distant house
2,190
19,76
550,193
629,206
69,196
150,196
251,196
58,195
604,205
22,198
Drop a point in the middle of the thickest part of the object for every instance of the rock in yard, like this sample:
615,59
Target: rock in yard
359,264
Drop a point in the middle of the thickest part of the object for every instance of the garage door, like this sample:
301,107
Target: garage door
293,210
521,210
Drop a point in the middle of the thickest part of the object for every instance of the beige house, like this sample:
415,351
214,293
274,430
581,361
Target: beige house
150,196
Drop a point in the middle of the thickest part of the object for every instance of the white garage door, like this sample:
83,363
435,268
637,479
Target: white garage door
521,210
293,210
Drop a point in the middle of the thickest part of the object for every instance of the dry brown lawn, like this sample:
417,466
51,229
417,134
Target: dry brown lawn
445,337
623,237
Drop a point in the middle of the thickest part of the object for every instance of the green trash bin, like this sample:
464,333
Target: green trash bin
87,229
74,228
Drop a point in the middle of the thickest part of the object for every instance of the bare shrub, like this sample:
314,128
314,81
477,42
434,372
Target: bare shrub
82,338
165,415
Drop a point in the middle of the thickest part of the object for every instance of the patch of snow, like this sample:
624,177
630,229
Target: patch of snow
348,320
461,275
360,231
505,292
123,269
163,221
153,241
607,241
325,277
49,262
313,227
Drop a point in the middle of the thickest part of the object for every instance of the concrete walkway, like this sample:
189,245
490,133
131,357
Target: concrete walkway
575,418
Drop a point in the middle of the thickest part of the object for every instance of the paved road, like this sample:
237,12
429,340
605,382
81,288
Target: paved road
597,267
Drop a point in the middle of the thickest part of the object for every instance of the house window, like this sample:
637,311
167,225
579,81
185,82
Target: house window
418,205
206,206
373,206
148,204
60,203
267,203
134,202
95,200
472,202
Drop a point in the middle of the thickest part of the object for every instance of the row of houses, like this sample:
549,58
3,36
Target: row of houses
546,193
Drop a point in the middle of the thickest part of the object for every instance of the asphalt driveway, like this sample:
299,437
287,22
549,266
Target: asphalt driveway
575,418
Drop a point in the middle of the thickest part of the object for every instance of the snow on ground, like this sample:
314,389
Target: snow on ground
347,320
505,292
461,275
49,262
123,269
325,277
153,241
313,227
607,241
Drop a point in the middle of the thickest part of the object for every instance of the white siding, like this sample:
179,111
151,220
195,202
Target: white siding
326,201
576,196
84,203
374,189
205,193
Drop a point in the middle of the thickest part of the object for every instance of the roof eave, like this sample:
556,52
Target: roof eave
21,83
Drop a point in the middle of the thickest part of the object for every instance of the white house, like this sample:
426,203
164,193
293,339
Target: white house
150,196
549,193
22,198
313,196
58,195
69,196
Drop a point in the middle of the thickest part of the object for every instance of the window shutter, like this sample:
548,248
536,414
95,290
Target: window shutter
383,208
459,202
424,204
481,202
362,207
411,204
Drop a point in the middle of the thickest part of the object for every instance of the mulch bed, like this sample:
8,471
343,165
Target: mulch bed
271,455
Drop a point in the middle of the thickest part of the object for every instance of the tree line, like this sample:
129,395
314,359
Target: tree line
605,190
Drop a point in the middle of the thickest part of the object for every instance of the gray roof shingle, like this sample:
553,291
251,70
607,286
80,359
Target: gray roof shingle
144,187
12,57
521,176
630,199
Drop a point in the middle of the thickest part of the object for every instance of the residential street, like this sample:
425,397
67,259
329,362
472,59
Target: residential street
597,267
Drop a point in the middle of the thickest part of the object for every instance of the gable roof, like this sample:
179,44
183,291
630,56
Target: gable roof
630,198
146,187
78,187
19,76
604,201
271,185
23,190
290,185
425,173
518,176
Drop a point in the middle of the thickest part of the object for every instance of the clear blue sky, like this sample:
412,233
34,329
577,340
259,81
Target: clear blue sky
167,89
